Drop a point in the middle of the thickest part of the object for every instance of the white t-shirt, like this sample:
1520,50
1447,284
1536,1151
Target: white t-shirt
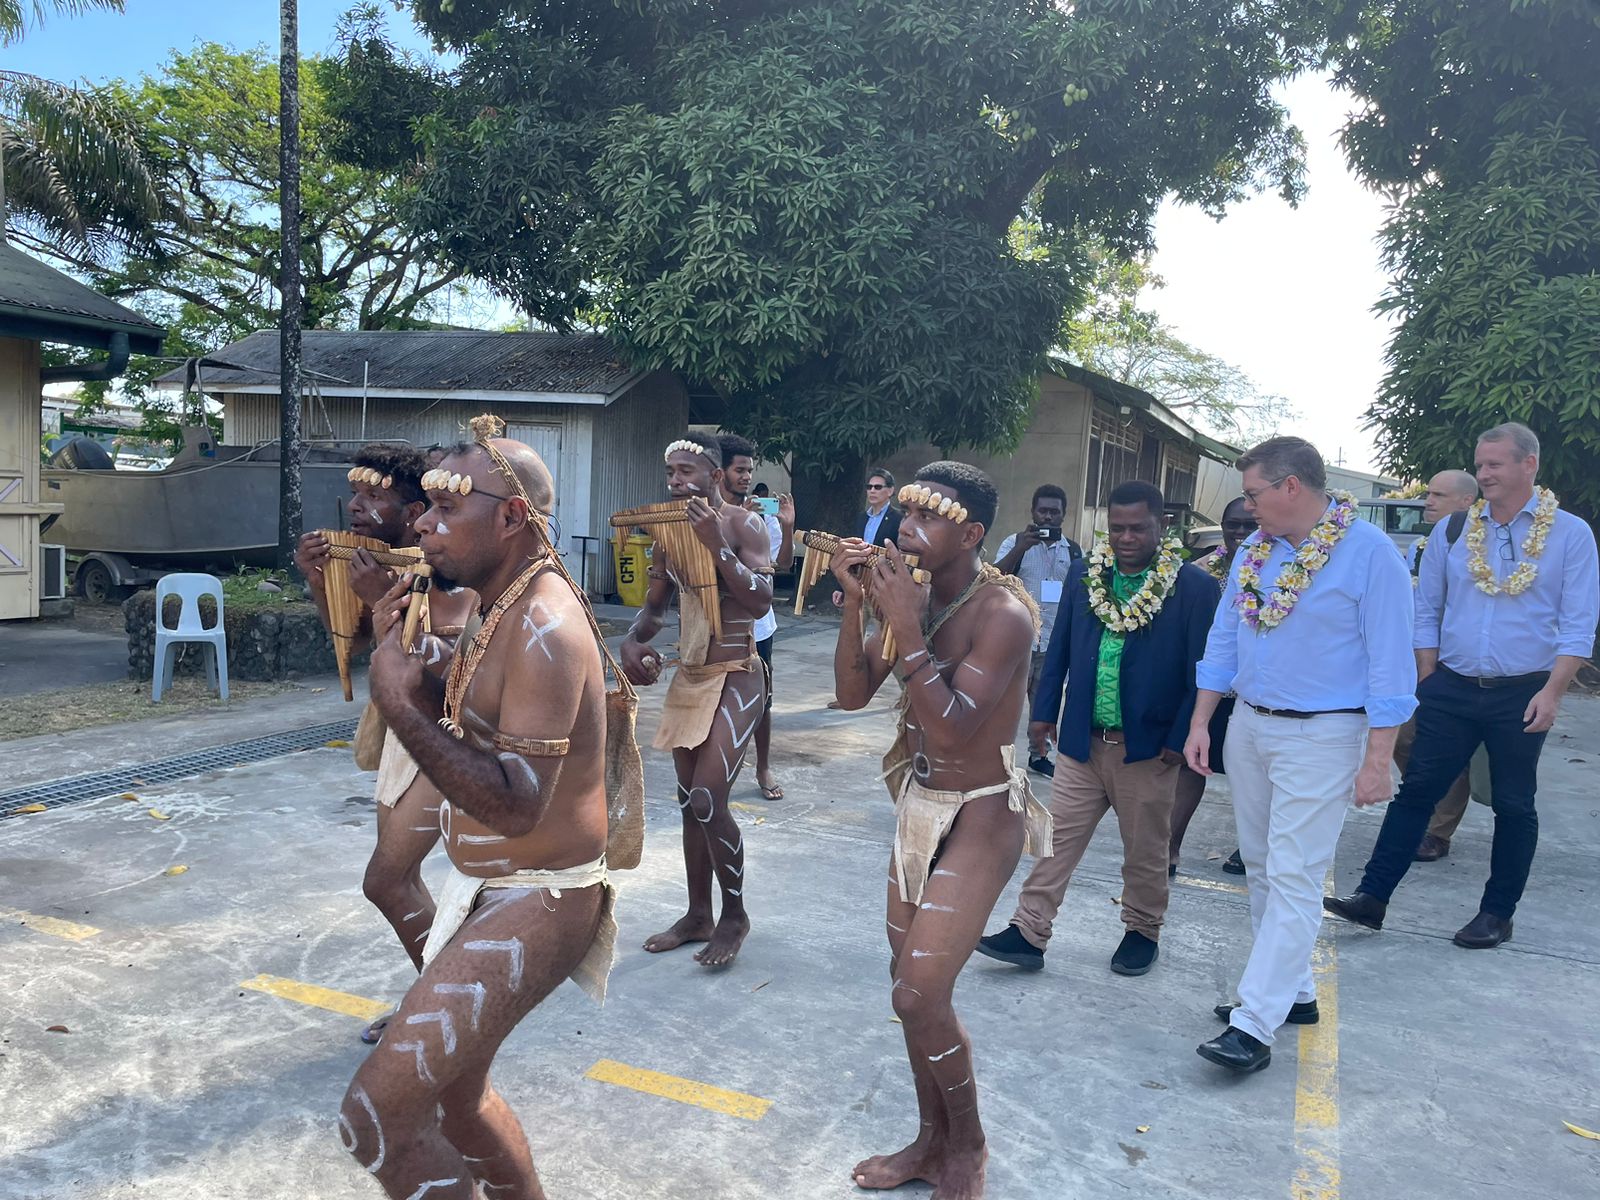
767,624
1042,570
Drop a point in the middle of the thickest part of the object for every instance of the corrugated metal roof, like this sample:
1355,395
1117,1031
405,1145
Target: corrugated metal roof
41,295
428,363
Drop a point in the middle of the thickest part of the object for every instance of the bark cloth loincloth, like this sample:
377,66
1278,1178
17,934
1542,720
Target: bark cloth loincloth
461,891
397,771
696,688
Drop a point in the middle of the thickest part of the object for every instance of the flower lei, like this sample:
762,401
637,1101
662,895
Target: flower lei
1264,611
1520,580
1215,564
1144,604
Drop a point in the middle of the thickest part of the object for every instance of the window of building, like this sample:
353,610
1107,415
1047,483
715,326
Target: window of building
1113,457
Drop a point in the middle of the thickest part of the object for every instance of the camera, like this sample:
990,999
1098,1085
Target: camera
1047,533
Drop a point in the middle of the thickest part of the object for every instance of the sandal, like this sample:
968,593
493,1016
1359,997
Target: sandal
775,792
373,1034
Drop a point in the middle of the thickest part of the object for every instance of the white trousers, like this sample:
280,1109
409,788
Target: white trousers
1293,781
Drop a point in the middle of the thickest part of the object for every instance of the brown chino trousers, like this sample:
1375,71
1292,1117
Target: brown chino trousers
1449,811
1141,794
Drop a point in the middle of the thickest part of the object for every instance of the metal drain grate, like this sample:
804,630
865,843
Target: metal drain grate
166,770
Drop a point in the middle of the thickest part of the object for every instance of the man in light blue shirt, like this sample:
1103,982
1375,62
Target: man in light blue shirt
1496,650
1322,692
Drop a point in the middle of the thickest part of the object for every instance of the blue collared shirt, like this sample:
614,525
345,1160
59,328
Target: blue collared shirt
1347,644
874,523
1479,634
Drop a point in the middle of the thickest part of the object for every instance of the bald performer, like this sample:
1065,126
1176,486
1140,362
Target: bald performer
1449,492
514,740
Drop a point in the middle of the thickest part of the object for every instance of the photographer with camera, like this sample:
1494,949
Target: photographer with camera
1040,555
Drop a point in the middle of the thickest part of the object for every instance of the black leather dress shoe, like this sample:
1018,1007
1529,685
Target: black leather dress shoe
1358,907
1299,1014
1009,946
1484,932
1236,1050
1136,955
1040,765
1233,864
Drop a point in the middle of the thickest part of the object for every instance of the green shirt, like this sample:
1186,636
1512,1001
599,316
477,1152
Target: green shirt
1108,667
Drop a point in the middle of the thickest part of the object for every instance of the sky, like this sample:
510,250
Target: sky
1286,294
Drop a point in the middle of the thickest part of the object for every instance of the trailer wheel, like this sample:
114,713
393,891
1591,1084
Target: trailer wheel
95,583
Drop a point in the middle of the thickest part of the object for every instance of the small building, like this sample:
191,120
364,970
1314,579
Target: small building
599,424
39,304
1088,434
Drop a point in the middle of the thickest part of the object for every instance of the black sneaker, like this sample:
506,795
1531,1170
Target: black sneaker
1234,865
1040,765
1136,955
1009,946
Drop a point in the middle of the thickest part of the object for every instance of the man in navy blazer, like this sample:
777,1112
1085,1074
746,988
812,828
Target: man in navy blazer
1132,624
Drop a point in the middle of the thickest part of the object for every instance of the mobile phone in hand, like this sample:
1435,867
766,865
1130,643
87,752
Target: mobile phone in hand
768,505
1047,533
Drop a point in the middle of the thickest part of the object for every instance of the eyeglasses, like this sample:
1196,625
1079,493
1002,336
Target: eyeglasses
1256,495
1504,546
877,487
1241,526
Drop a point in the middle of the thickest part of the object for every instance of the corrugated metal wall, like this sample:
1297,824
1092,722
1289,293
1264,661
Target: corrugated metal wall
610,458
629,438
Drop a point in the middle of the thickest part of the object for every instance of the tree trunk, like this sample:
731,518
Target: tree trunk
290,448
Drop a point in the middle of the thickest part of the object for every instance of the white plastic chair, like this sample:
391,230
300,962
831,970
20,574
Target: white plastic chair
189,588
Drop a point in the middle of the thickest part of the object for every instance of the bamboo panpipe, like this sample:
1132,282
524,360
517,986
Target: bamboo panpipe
417,610
669,525
344,606
822,547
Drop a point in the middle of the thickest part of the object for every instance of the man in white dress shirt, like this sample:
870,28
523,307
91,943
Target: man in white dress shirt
1313,634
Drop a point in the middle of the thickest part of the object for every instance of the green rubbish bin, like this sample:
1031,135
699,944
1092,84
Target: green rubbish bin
632,558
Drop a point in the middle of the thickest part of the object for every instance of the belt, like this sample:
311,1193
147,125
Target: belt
1296,715
1500,681
1111,737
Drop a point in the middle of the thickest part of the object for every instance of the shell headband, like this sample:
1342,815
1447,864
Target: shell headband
443,481
923,497
369,476
485,429
684,444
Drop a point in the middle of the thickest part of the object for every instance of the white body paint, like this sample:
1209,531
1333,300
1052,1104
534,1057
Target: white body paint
929,906
537,632
418,1050
475,990
429,1186
447,1029
513,950
946,1054
443,529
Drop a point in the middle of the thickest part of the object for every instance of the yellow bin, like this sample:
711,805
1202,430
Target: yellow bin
632,561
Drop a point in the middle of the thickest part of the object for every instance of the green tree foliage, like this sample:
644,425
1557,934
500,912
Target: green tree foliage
70,163
1119,336
208,126
1484,120
807,206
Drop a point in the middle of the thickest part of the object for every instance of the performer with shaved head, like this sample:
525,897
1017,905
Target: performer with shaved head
717,696
964,812
514,739
386,500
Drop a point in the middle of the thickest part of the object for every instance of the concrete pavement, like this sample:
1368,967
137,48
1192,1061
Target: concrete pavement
1445,1073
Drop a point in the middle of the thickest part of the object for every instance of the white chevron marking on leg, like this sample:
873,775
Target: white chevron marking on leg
475,990
419,1050
447,1029
731,847
946,1054
513,948
429,1186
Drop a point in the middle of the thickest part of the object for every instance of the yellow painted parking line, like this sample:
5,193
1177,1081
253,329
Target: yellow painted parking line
684,1091
745,807
1316,1090
317,997
54,926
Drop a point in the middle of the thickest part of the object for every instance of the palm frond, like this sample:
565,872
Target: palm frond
75,168
15,14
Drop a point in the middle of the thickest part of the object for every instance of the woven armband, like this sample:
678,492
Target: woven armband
532,747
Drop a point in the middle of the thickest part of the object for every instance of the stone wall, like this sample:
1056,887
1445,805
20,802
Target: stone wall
281,642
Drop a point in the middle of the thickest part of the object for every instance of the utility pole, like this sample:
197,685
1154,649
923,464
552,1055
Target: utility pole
290,448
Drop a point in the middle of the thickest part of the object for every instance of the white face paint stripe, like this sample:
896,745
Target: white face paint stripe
946,1054
475,990
513,949
447,1029
922,534
442,527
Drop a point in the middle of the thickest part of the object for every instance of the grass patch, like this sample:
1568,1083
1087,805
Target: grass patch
110,703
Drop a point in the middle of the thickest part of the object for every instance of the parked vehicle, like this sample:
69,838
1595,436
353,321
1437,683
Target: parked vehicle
1402,520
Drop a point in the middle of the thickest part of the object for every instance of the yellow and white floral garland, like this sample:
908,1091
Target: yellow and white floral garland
1215,564
1267,611
1144,604
1520,580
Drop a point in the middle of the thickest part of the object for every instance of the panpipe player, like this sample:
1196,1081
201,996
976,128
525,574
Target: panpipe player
716,558
963,810
386,498
514,738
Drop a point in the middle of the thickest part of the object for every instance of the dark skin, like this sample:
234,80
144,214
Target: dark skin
1135,536
713,846
966,692
1049,511
421,1113
736,482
